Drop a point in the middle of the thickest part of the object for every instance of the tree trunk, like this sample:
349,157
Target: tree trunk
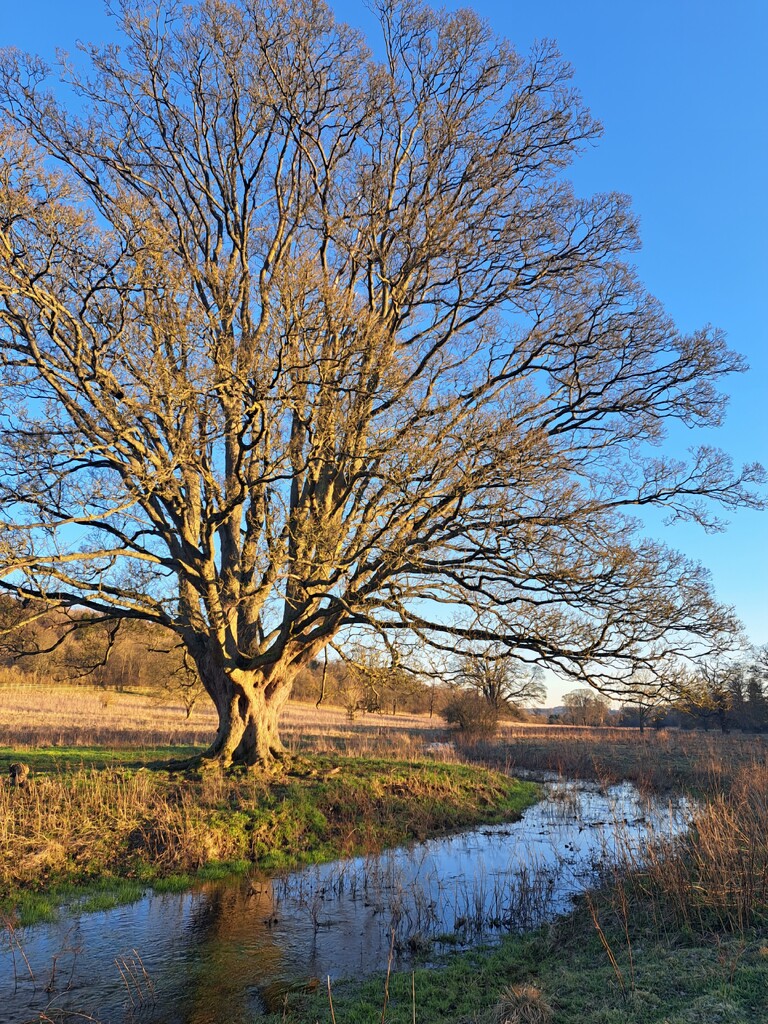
249,705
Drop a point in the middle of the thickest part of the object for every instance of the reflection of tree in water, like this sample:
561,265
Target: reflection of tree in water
233,953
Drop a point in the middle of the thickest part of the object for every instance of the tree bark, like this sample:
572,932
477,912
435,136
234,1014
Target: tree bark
249,705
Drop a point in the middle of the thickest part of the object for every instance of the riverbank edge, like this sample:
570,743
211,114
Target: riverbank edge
561,974
177,831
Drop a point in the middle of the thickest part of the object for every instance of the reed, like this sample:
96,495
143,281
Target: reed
711,879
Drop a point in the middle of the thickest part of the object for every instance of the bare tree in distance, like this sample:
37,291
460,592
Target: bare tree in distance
487,685
585,707
646,695
504,683
299,343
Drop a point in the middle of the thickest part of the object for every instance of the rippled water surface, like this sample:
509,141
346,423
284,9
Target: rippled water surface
235,947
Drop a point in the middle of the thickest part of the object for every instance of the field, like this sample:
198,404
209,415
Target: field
67,718
680,939
33,715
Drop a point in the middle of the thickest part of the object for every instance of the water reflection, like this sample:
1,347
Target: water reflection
235,947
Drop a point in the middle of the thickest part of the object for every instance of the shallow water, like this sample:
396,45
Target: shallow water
232,948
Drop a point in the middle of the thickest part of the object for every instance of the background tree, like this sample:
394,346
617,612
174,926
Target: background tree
647,696
297,342
373,680
756,697
505,684
584,707
716,689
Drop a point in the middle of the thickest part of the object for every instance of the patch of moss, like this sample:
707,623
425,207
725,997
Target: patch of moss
173,883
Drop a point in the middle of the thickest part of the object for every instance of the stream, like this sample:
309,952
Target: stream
236,947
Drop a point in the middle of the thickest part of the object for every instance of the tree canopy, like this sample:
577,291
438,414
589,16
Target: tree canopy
300,340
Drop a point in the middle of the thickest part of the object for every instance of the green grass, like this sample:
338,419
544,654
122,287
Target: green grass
27,907
37,907
62,759
714,980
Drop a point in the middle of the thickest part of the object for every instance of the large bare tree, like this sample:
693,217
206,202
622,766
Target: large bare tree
297,341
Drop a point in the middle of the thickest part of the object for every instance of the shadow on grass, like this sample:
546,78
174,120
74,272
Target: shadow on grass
62,759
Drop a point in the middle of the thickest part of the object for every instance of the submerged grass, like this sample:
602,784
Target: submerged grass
75,825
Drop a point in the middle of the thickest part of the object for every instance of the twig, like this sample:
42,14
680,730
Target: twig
330,1000
386,983
607,947
15,944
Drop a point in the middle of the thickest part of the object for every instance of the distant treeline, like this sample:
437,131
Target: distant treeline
725,696
64,647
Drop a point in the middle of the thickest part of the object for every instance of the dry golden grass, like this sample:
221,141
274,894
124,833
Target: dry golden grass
94,823
655,761
715,877
39,715
34,714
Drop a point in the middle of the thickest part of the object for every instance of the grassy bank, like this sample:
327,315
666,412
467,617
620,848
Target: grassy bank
544,979
90,815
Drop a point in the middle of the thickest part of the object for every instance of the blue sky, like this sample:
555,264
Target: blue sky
681,91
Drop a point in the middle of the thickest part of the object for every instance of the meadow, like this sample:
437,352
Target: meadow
679,937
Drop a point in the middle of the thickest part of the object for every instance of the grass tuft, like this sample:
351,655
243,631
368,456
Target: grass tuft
521,1004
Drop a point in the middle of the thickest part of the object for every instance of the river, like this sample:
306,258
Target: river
234,947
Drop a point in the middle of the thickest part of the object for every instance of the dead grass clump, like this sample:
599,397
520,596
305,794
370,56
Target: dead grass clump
44,861
87,822
173,841
726,857
521,1004
62,821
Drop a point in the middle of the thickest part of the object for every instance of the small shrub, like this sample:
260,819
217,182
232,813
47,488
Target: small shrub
472,713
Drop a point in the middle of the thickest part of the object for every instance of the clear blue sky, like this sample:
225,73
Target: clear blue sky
681,89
